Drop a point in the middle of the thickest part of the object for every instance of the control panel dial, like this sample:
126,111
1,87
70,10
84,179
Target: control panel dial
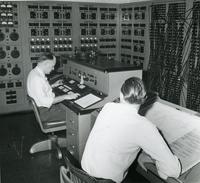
16,70
2,53
14,36
3,71
15,53
2,36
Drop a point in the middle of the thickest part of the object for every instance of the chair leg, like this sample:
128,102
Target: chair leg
52,143
62,142
41,146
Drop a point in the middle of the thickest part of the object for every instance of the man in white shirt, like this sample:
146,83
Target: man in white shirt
40,90
118,135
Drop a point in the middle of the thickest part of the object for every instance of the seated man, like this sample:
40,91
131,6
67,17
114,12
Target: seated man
119,134
41,91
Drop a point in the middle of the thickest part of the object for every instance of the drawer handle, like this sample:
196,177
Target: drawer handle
71,134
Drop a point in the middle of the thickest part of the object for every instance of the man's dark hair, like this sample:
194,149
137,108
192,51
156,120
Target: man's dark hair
133,90
46,56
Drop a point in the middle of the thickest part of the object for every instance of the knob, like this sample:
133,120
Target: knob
14,36
112,32
3,71
16,70
56,15
2,36
103,31
112,16
44,15
67,15
2,53
103,16
15,53
33,14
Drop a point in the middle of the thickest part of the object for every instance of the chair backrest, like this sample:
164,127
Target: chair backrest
152,97
46,126
74,174
35,110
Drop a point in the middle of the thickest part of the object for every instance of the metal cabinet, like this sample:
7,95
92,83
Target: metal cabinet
78,129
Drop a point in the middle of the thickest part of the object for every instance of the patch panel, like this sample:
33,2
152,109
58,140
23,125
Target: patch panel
167,21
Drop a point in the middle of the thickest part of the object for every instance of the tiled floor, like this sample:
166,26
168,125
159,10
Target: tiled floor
17,133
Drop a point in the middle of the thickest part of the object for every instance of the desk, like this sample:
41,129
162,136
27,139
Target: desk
78,119
191,176
102,78
176,122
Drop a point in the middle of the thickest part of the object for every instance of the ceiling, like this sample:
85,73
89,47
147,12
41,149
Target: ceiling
106,1
100,1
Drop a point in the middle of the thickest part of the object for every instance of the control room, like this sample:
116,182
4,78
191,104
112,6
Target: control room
96,91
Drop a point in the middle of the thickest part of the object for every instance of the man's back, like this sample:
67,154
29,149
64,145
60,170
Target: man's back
39,89
115,140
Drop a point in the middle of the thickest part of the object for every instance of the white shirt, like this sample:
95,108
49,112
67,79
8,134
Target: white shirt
39,88
115,140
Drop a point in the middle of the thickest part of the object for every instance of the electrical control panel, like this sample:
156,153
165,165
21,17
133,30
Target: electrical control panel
49,29
193,92
149,35
102,75
166,44
12,62
134,34
30,28
88,38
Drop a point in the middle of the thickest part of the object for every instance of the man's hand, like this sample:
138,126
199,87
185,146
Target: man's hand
144,158
71,96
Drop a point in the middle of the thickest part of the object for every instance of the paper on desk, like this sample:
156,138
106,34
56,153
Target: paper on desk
172,122
187,149
87,100
181,130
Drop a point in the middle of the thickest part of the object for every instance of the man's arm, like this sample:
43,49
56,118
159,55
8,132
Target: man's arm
154,145
65,97
57,83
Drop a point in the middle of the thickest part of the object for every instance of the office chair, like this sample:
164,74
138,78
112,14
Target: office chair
72,172
53,142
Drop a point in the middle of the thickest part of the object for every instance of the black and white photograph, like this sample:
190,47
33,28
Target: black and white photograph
97,91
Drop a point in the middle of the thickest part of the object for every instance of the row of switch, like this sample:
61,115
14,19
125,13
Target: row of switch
8,16
45,31
10,84
46,41
85,47
107,46
45,15
134,57
62,48
93,16
47,48
87,40
138,15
